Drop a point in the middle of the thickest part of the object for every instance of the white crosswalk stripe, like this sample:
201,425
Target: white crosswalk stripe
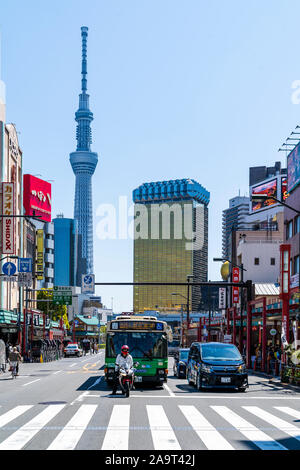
68,438
21,437
163,435
117,434
278,423
211,438
13,414
159,430
289,411
253,434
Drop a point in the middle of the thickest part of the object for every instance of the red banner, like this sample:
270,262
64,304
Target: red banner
235,290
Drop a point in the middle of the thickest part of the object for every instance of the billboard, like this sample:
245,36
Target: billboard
37,197
269,188
8,223
293,168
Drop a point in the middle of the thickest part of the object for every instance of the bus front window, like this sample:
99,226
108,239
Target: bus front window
141,344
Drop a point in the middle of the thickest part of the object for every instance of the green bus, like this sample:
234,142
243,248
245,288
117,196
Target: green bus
147,339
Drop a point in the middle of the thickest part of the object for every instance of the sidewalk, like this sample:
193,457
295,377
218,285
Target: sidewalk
275,380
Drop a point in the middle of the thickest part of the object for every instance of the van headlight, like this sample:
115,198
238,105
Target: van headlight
206,369
241,369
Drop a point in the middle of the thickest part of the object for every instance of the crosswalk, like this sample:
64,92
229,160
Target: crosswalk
159,427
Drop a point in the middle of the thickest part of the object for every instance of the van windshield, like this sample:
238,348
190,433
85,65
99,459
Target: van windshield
220,352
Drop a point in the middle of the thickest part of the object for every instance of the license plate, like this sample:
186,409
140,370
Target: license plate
225,380
138,379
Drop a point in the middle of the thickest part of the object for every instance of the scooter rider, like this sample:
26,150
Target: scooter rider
123,361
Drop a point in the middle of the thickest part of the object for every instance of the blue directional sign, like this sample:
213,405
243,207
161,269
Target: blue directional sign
88,284
9,269
25,265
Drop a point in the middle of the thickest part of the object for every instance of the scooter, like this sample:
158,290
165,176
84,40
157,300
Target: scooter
126,380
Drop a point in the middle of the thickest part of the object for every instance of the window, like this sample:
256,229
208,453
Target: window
256,261
296,265
273,261
297,224
289,230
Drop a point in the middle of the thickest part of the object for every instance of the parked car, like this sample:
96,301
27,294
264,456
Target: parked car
173,347
72,349
216,365
180,362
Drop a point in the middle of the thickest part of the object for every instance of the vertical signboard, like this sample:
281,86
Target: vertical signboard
40,254
8,223
222,298
235,290
285,258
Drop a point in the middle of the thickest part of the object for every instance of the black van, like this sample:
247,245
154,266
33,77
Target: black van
216,365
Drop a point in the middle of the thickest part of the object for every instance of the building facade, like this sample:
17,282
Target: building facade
233,219
292,219
65,251
84,163
170,242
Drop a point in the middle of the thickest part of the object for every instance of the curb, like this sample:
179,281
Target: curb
275,380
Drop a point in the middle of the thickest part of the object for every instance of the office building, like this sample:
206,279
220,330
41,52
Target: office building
65,251
170,242
233,219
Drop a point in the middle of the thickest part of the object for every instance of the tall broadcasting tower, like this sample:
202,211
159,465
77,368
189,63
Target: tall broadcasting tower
84,163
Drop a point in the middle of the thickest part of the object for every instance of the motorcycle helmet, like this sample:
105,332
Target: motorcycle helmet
125,350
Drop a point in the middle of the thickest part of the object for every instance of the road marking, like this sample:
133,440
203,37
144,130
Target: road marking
220,397
255,435
80,398
96,382
13,414
211,438
117,434
58,372
166,387
69,437
279,423
21,437
75,364
29,383
163,435
289,411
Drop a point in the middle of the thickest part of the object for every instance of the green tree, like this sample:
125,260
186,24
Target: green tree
54,311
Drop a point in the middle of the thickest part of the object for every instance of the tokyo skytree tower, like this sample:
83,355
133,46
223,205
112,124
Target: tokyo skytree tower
84,163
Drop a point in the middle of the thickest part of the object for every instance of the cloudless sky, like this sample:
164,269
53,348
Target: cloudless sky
190,89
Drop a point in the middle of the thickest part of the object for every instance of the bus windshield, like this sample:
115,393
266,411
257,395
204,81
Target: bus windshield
141,344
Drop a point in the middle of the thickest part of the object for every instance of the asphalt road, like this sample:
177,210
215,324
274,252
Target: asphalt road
66,405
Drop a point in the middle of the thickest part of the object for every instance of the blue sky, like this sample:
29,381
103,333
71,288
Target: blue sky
178,89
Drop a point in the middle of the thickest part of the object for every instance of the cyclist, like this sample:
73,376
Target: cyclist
15,357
